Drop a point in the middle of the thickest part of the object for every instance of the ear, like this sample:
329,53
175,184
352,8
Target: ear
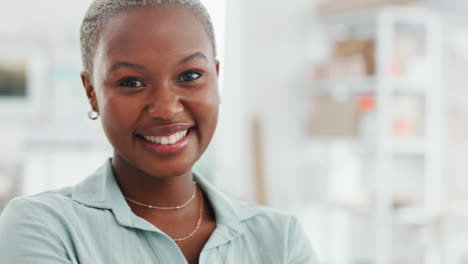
217,67
217,74
90,92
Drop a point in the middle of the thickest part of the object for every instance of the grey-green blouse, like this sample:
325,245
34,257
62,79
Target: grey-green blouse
91,223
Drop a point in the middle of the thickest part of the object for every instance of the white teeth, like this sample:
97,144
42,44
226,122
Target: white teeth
172,139
152,139
175,137
180,135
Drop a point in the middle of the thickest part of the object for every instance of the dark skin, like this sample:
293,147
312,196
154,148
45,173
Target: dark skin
162,75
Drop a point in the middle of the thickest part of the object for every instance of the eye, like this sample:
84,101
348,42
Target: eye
132,83
189,76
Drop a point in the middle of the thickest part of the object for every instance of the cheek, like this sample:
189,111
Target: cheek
207,108
207,103
118,114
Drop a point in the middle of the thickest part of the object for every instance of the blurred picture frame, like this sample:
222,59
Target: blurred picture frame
23,78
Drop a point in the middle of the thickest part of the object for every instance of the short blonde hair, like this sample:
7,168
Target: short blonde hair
101,10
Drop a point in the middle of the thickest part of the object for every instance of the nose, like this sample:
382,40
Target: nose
164,103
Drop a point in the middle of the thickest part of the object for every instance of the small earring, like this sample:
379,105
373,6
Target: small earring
93,115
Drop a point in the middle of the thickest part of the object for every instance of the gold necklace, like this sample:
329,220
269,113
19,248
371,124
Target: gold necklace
170,207
200,218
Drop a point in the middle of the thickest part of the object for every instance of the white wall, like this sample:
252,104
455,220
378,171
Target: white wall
265,57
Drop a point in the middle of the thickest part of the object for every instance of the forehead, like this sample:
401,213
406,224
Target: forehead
159,31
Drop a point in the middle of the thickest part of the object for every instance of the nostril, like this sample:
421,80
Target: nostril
164,111
151,108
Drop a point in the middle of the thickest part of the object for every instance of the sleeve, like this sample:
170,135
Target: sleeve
300,250
27,235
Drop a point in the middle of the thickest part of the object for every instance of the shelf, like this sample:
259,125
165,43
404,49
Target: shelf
358,9
365,201
344,86
417,216
364,85
359,202
415,146
399,145
403,95
402,85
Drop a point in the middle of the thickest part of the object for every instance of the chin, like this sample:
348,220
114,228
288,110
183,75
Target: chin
167,169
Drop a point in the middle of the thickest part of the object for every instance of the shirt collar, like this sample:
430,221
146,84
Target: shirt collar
100,190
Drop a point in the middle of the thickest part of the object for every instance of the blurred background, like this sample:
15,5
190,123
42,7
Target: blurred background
352,114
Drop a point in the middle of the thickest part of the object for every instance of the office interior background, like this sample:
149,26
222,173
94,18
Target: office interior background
351,114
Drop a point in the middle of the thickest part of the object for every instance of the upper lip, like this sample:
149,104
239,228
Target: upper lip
165,130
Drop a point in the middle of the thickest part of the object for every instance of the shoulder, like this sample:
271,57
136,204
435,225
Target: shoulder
246,216
40,208
276,231
229,210
255,213
36,229
259,218
49,199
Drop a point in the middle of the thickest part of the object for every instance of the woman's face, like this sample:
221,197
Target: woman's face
154,84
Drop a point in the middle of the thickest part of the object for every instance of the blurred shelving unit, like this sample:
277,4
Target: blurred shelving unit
428,26
383,88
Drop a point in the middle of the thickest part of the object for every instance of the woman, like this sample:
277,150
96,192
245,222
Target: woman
150,75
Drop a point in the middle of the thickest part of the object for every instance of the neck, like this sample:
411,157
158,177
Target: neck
152,189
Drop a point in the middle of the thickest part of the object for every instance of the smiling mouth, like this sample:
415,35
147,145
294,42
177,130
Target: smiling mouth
165,140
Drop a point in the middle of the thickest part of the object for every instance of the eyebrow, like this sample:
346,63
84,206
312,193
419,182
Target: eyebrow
125,64
195,55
